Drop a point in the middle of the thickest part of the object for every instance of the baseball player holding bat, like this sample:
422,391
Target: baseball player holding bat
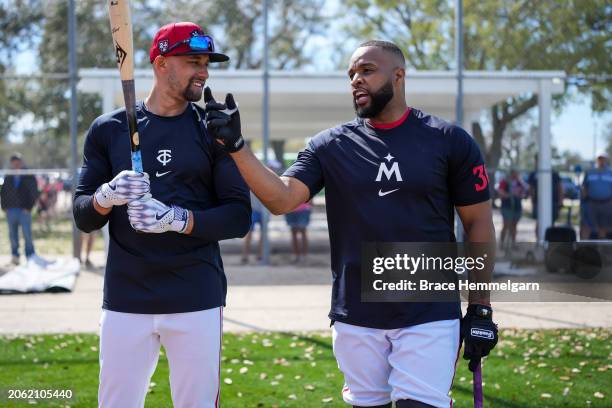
164,281
392,174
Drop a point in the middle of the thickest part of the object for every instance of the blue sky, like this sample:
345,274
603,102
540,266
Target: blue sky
576,129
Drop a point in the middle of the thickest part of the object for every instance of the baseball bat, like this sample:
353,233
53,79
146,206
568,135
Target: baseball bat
477,386
121,29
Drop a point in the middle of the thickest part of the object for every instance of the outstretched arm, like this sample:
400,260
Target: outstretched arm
279,194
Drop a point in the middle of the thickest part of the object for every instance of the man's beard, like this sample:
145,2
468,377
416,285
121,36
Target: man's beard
378,101
192,95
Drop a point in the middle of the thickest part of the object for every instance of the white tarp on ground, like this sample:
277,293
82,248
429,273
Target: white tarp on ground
47,276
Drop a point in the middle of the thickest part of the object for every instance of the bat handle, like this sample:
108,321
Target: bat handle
478,403
137,161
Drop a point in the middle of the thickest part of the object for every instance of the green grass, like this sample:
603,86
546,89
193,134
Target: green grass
553,368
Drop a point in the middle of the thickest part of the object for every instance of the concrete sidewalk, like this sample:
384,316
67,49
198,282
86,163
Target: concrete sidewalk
281,297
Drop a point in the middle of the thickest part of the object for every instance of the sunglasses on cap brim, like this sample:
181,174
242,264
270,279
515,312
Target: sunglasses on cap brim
203,43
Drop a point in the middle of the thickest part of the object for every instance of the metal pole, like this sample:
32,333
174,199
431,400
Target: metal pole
72,71
266,132
594,136
459,60
545,187
459,96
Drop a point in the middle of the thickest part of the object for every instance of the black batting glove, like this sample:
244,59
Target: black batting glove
479,334
223,121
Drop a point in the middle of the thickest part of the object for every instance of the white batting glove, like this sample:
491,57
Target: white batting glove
126,186
153,216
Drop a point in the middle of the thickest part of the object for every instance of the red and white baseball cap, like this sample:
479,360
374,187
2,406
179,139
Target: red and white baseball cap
184,38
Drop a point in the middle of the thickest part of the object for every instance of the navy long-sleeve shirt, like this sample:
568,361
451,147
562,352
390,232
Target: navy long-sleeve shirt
169,272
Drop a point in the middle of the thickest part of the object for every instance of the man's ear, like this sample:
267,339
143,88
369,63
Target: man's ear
399,74
160,62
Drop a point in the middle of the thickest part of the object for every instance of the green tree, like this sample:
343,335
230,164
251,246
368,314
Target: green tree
572,36
236,25
566,160
18,20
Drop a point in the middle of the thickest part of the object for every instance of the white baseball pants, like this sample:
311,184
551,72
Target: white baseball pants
129,350
380,366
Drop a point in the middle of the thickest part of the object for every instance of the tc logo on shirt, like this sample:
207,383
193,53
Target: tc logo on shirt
389,173
164,156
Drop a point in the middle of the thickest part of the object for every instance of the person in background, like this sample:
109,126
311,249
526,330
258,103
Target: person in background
18,196
587,228
44,204
298,221
88,239
256,218
511,190
557,195
597,193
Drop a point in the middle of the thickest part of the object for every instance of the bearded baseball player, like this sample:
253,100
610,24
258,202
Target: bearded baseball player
164,282
392,174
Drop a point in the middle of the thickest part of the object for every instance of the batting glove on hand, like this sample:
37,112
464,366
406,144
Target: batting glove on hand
479,334
126,186
223,121
153,216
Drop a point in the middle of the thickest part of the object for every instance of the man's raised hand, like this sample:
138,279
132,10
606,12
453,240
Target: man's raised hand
223,121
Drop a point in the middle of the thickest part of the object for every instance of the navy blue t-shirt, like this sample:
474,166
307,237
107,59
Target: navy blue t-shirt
397,184
168,272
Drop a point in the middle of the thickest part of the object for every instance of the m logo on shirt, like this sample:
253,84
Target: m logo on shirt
394,171
164,156
389,173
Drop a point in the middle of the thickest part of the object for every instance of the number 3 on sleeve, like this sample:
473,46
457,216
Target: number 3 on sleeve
480,172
